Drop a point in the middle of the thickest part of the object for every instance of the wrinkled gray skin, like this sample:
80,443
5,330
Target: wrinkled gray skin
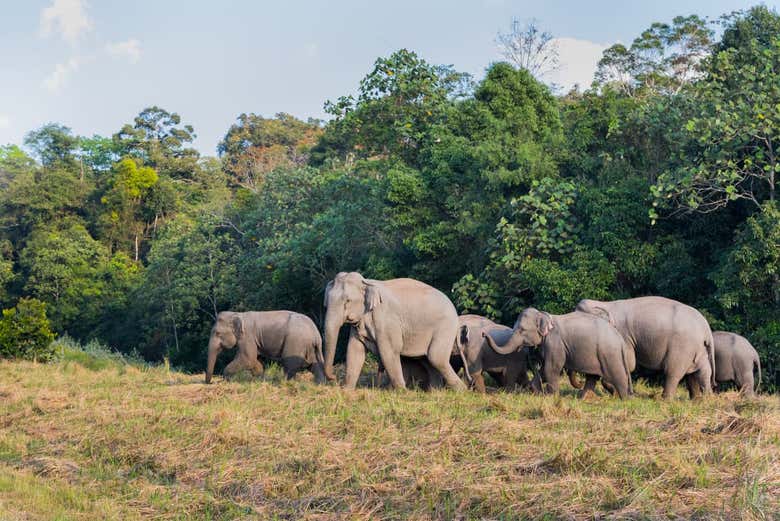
285,336
666,336
735,359
510,371
577,342
389,318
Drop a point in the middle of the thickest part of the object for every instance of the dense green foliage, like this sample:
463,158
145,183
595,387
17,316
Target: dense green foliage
658,179
25,332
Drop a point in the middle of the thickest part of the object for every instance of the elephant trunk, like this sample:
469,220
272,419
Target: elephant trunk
508,348
214,350
332,326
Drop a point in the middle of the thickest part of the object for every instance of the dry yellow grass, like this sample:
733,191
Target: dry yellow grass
127,443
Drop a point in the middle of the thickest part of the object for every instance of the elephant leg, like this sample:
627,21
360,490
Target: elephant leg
395,371
356,357
435,381
292,366
745,383
479,382
551,378
536,383
589,386
233,368
692,384
319,373
511,376
522,376
704,379
439,357
257,368
608,387
671,381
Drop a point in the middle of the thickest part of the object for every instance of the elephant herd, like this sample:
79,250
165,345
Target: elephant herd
416,334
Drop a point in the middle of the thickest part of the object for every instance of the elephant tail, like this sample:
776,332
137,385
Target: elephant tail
757,363
318,351
462,339
623,350
709,343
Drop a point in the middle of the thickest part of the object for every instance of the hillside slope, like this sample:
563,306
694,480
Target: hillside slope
128,443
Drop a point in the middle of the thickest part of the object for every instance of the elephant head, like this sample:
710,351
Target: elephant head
530,329
347,298
225,334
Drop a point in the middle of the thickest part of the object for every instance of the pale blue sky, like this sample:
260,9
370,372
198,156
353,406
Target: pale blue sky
94,64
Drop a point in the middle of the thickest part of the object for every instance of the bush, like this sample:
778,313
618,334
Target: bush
25,331
93,355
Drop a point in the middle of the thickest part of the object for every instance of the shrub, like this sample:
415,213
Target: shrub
25,331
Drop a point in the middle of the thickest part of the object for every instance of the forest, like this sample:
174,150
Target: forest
657,179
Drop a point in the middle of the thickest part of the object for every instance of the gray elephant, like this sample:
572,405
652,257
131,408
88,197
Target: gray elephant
286,336
666,336
577,342
509,371
735,360
390,318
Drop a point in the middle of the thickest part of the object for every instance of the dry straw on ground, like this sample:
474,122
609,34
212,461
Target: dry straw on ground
123,443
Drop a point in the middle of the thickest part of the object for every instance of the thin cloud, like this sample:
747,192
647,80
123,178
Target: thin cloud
5,122
578,62
55,81
131,49
66,17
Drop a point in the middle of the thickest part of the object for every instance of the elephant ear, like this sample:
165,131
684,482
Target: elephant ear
544,324
464,335
603,313
238,326
328,287
373,297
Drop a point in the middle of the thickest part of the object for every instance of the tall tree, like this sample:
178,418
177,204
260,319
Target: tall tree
528,47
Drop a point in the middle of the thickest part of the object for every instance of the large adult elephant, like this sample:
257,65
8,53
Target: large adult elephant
390,318
286,336
666,336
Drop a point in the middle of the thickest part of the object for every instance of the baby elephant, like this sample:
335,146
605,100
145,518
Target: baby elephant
577,342
286,336
735,359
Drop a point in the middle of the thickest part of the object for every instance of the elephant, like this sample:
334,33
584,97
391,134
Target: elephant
735,359
418,373
391,318
576,341
510,371
285,336
666,336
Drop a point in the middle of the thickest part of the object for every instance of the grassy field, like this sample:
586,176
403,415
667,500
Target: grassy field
84,440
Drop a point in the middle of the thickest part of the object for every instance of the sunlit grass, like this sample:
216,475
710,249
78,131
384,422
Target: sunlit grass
128,442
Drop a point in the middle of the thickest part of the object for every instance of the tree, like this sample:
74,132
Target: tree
160,141
124,201
398,102
63,266
54,145
663,59
733,153
190,277
13,162
528,47
255,146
